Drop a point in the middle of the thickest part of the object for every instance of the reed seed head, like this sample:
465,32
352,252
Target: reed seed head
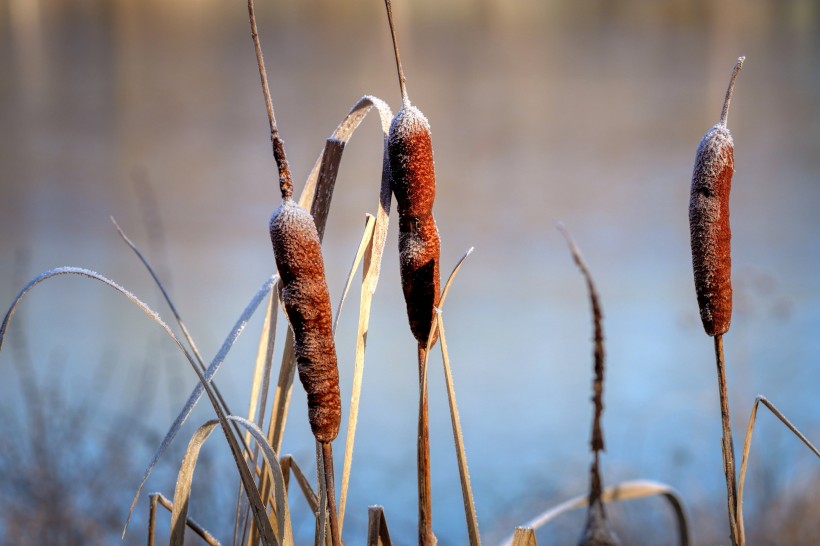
306,298
709,228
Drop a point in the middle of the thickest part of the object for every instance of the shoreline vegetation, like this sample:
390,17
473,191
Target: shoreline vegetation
287,499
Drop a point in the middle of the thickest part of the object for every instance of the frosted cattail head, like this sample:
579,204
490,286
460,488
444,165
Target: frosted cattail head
709,228
414,184
710,232
411,162
306,298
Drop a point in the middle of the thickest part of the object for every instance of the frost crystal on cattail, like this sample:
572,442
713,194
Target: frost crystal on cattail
306,298
711,235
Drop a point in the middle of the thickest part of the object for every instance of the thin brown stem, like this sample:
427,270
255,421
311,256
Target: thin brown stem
426,536
727,443
285,180
327,457
724,115
402,79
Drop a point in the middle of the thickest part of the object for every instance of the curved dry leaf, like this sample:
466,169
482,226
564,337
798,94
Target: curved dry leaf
631,490
185,477
281,495
747,444
196,394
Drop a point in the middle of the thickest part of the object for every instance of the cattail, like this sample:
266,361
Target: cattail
410,152
709,221
307,303
414,184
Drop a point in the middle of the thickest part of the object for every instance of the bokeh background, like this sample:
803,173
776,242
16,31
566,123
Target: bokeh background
587,112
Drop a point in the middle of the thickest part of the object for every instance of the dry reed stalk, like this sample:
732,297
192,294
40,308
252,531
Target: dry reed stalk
596,531
711,238
410,151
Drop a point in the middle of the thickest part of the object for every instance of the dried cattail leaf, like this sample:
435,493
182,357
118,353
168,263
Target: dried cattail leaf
306,298
710,232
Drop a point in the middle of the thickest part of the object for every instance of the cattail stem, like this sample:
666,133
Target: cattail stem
727,443
402,79
285,180
724,115
426,537
327,458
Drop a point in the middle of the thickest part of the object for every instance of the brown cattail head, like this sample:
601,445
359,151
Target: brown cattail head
306,298
414,184
709,228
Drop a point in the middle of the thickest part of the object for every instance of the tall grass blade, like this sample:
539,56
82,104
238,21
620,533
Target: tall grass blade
747,444
377,533
371,268
458,438
194,397
164,292
185,477
289,465
176,314
624,491
524,537
259,394
158,499
243,469
367,237
281,507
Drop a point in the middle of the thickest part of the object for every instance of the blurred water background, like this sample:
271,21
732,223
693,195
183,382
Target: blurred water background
584,112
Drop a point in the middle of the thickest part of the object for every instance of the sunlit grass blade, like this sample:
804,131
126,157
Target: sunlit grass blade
458,438
377,533
158,499
164,292
288,464
174,311
524,537
243,469
185,477
747,444
367,237
239,326
631,490
281,507
370,269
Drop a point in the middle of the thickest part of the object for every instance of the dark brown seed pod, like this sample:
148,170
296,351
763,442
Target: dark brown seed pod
410,149
306,298
710,232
